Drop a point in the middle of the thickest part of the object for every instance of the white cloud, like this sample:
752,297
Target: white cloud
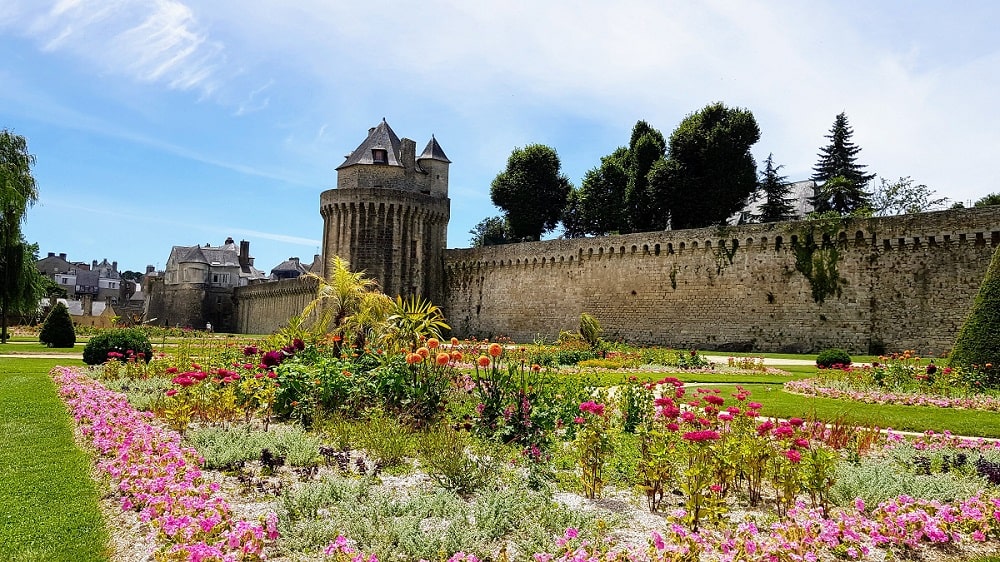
156,41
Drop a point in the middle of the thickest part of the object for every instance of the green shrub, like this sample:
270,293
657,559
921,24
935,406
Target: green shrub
978,342
443,453
387,441
832,356
124,342
590,329
58,328
228,448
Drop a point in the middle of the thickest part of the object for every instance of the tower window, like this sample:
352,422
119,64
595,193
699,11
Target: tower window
379,156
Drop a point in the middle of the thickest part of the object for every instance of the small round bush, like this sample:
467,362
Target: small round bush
124,342
833,356
58,328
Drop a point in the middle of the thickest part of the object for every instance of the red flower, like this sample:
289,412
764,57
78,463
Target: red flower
714,399
793,456
701,436
172,392
797,422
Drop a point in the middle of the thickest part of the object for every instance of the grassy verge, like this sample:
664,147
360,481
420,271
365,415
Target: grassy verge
35,347
50,503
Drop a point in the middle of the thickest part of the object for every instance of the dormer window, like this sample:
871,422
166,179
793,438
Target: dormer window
380,156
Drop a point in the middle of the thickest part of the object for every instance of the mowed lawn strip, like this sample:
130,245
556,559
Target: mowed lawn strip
50,503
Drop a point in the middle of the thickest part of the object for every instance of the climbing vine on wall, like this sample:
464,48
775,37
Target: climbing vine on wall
818,262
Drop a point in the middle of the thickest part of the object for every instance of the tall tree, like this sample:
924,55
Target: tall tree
646,147
775,190
17,193
598,206
490,232
839,160
709,172
531,191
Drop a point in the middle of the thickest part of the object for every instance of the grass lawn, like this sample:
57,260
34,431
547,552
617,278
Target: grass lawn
11,348
50,503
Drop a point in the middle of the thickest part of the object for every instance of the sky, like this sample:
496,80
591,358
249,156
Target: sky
179,122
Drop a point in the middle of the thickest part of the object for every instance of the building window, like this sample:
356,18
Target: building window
220,278
380,156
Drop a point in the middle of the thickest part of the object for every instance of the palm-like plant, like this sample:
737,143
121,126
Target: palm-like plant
346,303
411,319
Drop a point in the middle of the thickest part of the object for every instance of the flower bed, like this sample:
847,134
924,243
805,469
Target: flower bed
159,478
816,387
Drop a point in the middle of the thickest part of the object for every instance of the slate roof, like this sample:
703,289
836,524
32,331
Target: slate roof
380,137
433,152
225,255
291,264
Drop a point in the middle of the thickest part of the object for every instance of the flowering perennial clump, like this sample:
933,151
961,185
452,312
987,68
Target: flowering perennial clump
159,478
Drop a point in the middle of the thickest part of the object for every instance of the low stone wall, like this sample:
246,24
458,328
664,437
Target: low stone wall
266,307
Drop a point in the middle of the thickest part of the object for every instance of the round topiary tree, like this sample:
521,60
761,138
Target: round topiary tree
57,331
978,342
125,343
833,357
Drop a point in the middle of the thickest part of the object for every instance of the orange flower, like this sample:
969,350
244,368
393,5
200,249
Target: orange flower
443,359
423,352
456,356
433,343
454,341
536,367
413,358
495,350
483,361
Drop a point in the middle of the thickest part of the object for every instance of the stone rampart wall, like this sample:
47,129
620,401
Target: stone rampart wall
903,282
264,308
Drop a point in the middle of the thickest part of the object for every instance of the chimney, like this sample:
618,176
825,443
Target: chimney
62,256
408,153
87,304
150,269
229,240
52,254
114,266
244,256
93,265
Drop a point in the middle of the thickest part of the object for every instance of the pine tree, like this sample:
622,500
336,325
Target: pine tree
839,160
57,331
777,206
978,342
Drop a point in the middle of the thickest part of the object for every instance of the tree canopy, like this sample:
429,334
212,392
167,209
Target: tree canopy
531,191
598,206
902,197
774,188
709,171
20,286
490,232
839,160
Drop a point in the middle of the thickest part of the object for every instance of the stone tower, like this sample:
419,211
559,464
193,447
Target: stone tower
389,214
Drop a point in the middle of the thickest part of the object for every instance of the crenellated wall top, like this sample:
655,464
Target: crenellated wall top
939,229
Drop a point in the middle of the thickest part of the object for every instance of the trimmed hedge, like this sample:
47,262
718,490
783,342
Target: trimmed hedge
128,342
978,342
833,356
57,331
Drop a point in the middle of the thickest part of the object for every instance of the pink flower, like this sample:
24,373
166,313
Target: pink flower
701,436
793,456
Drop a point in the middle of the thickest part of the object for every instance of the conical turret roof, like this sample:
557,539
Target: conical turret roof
381,137
433,151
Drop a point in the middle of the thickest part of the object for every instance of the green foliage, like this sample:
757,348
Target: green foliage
709,171
412,320
20,284
387,441
876,479
128,342
832,356
314,387
777,205
902,197
490,231
843,179
646,148
444,454
598,206
531,191
991,199
594,445
58,328
228,449
590,329
347,303
978,341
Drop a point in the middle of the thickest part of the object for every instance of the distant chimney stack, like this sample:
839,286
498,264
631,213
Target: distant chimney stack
62,256
150,269
114,266
244,256
93,265
229,240
52,254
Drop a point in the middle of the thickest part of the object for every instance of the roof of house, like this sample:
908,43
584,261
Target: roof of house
291,264
381,137
88,278
433,151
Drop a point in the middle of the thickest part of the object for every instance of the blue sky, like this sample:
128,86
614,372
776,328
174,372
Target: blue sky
180,122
